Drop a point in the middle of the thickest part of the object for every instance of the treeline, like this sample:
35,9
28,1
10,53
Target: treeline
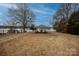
66,19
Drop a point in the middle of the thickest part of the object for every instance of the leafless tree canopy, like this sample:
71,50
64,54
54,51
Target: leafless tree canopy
22,14
63,14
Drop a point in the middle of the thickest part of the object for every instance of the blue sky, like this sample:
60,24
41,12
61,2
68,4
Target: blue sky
44,12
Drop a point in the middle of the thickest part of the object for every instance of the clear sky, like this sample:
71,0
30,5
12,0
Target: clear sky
44,12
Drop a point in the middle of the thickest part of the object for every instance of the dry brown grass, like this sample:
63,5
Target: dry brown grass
48,44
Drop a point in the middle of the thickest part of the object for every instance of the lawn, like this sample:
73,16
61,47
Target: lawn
37,44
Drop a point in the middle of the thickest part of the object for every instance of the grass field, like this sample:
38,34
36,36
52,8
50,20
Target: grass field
36,44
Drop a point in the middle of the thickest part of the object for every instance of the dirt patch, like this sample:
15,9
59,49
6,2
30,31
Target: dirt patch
40,44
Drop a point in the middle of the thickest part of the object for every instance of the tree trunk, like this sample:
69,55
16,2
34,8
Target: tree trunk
24,27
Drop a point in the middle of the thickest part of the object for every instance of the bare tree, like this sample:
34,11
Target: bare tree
22,14
63,14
